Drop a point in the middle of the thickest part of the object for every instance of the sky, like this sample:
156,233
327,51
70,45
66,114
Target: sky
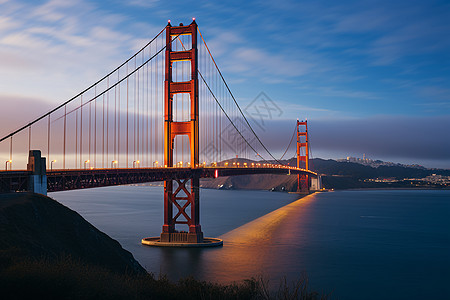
371,77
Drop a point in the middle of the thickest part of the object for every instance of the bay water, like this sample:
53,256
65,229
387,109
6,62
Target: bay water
373,244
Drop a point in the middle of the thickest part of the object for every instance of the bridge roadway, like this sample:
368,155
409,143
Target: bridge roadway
71,179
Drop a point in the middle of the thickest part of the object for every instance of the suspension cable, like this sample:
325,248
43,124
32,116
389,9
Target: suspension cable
223,110
229,119
232,96
292,138
84,91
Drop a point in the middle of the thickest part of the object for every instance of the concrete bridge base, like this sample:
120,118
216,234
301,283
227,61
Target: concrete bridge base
207,242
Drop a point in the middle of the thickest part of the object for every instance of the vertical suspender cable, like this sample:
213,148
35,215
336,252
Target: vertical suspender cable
48,142
103,132
107,123
90,128
29,138
115,123
10,151
64,142
95,127
81,132
118,121
127,118
76,139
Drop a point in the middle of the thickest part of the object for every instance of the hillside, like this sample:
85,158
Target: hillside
33,226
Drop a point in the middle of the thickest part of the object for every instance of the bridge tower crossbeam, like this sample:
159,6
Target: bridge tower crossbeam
174,196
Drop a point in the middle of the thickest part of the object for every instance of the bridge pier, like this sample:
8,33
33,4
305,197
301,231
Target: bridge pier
175,198
37,181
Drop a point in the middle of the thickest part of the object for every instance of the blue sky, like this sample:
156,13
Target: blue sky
371,76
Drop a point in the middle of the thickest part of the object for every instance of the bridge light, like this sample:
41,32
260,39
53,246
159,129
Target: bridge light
10,164
86,162
114,162
155,163
216,173
226,164
51,164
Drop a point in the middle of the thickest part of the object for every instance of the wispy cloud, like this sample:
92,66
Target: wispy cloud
60,44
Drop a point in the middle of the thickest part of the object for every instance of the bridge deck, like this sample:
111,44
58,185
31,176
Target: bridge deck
59,180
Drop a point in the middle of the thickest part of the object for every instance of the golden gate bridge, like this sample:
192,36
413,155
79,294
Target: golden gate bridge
165,114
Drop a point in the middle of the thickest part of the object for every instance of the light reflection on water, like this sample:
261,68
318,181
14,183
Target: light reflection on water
355,244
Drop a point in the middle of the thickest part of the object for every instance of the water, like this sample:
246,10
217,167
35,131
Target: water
384,244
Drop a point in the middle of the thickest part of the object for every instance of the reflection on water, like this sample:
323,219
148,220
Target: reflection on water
355,244
260,247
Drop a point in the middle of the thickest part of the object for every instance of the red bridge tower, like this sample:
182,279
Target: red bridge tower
302,142
180,195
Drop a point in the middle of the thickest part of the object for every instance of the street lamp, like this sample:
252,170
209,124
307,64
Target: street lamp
136,163
114,162
10,165
86,162
51,164
155,163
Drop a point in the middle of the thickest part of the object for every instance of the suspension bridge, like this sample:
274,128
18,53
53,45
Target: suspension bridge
165,114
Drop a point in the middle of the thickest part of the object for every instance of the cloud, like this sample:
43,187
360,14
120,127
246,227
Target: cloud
58,48
142,3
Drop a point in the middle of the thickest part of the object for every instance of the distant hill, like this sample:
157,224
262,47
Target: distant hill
335,175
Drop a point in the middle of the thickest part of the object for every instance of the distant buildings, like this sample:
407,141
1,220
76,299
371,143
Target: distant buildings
376,163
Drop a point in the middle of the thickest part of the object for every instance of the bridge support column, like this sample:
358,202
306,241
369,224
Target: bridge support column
37,182
302,142
182,198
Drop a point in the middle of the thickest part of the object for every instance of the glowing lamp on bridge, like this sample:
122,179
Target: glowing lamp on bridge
226,164
114,162
216,173
51,164
6,164
136,163
155,163
86,162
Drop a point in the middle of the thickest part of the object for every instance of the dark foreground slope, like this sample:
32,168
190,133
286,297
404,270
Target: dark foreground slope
38,227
